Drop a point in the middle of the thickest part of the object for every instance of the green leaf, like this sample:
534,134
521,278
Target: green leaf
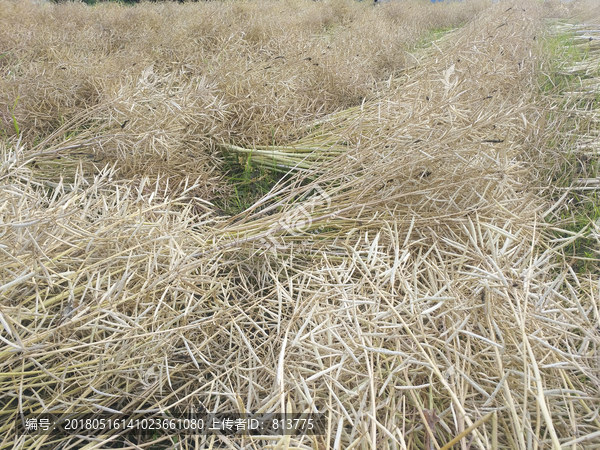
12,113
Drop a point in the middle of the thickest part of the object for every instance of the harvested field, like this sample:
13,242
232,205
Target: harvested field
386,216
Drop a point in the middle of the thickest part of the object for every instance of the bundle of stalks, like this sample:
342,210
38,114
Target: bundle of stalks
406,287
286,158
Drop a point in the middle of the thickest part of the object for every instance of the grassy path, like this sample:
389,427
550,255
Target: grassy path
574,86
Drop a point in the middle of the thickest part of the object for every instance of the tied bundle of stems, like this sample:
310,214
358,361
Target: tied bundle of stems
286,158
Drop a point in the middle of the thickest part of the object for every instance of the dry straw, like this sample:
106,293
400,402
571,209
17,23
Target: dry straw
406,285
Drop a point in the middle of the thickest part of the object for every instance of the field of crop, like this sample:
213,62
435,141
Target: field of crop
385,216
